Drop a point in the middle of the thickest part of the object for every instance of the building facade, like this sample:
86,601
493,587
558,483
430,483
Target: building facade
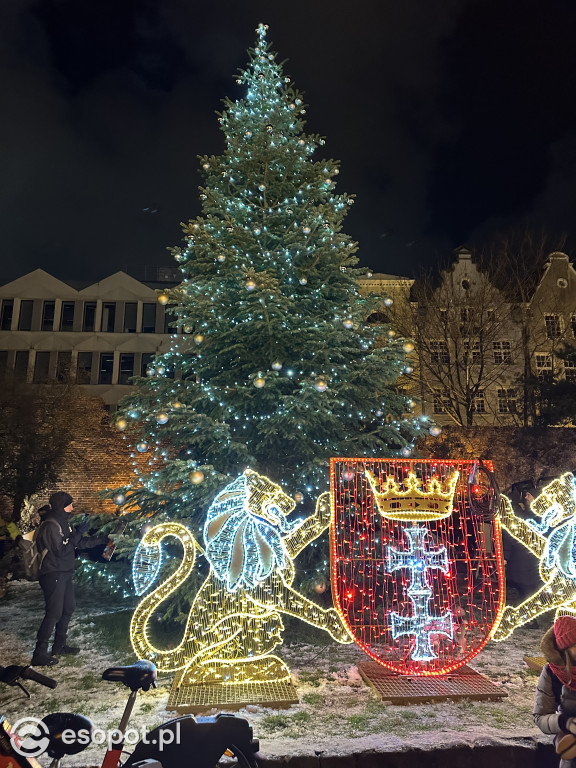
99,335
476,352
473,348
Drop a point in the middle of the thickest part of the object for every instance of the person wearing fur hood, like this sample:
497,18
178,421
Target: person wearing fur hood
555,706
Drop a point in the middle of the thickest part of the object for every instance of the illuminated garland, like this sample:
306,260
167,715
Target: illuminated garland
235,619
552,539
419,599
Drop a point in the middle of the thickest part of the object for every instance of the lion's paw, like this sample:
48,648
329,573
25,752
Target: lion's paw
507,624
337,628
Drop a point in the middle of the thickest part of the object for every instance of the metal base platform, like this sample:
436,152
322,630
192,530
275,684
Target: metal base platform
535,662
462,683
193,699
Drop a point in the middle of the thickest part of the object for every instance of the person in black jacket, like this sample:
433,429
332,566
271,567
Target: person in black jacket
56,573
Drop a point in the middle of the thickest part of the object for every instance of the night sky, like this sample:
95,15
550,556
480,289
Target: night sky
454,120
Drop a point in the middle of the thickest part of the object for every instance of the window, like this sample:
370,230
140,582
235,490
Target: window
67,319
147,358
126,368
41,367
130,313
21,364
6,316
89,318
108,317
170,322
570,370
3,364
25,319
473,353
502,352
84,368
466,314
553,326
543,365
478,403
63,365
573,325
106,368
149,318
439,404
439,352
48,316
507,401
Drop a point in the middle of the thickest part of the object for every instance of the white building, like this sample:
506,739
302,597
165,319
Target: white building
100,335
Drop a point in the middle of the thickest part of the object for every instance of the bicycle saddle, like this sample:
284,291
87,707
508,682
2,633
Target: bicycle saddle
78,725
142,674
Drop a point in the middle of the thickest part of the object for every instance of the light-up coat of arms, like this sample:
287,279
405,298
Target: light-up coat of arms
417,574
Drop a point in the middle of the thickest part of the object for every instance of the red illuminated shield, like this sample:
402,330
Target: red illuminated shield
417,571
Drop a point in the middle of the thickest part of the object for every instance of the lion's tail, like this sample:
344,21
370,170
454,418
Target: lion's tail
147,562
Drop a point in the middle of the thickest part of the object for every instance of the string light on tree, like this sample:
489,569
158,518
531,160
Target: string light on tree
287,370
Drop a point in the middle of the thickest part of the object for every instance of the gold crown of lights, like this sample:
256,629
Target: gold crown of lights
413,502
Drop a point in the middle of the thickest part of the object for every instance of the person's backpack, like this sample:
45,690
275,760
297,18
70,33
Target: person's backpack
31,556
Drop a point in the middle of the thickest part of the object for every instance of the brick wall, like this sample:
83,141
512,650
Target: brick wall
92,464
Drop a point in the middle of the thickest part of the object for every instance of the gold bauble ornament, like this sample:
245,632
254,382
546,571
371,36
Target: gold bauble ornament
196,477
121,424
163,298
259,382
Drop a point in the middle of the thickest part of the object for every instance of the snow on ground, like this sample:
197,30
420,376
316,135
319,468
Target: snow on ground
338,713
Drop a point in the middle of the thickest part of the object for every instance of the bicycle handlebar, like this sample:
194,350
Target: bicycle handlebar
13,674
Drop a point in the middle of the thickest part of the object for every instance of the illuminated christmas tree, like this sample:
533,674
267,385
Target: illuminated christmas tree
273,367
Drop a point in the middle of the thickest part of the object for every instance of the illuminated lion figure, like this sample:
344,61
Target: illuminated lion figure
235,619
552,539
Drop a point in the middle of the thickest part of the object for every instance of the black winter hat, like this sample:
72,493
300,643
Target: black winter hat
60,499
